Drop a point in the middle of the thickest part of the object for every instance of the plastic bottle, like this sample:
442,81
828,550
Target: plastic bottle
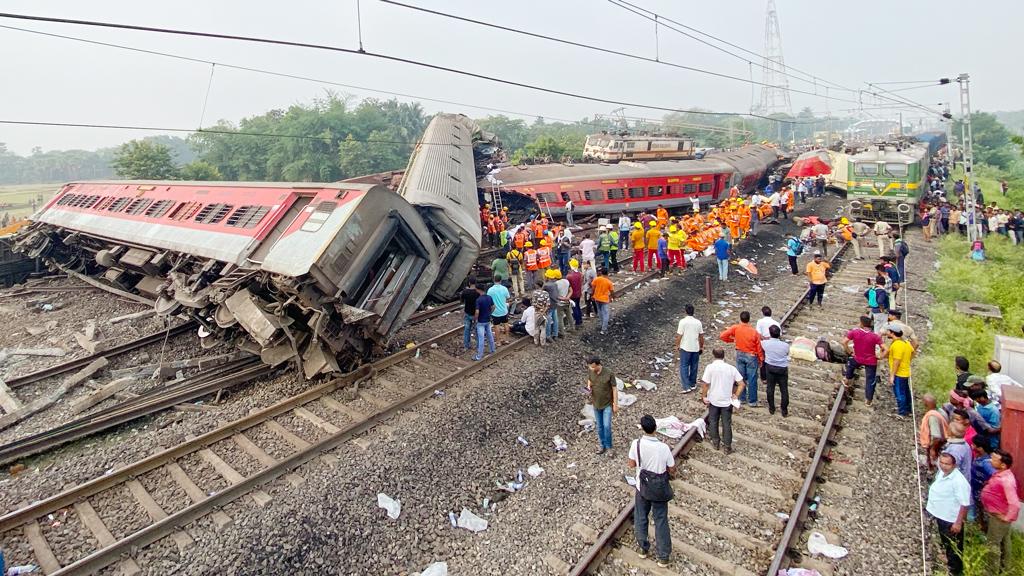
453,520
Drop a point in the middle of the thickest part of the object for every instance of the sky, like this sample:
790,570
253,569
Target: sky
51,79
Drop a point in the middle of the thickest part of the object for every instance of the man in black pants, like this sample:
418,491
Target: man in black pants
721,387
651,454
776,361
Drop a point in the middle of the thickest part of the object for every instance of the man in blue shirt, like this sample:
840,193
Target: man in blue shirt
793,249
499,314
776,365
722,249
878,301
990,414
663,253
482,316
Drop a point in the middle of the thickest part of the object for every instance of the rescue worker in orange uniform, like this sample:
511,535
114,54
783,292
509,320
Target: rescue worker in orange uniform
662,215
504,215
637,241
530,263
653,235
745,217
543,256
519,240
492,229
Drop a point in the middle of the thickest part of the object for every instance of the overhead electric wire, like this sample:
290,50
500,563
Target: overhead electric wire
898,98
661,19
605,50
386,57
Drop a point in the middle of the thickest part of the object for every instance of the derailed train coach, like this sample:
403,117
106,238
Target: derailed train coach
322,274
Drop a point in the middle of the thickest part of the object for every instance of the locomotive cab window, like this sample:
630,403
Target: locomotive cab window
865,169
897,170
637,192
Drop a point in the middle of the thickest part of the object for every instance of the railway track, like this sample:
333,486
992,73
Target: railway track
746,513
237,456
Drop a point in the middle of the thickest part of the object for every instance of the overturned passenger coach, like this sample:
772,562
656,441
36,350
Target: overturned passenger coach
323,274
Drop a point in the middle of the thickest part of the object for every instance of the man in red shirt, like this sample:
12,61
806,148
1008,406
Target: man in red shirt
749,354
999,498
864,353
575,291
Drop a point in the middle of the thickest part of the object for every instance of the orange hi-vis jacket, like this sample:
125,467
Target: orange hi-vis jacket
662,218
543,257
519,240
530,257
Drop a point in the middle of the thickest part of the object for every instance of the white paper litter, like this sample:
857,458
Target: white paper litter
626,399
435,569
534,470
645,385
817,544
559,443
471,521
672,427
619,384
631,480
394,507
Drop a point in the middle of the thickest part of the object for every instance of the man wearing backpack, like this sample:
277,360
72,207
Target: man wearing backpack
878,301
604,247
794,248
613,235
902,250
654,465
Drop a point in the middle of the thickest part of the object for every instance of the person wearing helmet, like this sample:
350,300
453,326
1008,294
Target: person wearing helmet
543,256
575,279
551,287
636,241
662,215
530,263
653,235
514,257
847,234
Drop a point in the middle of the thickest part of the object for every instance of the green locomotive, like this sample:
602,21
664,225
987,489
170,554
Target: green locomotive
886,182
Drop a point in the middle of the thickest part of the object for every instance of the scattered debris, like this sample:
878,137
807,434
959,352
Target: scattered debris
471,521
817,544
559,443
522,441
47,401
435,569
646,385
534,470
135,316
393,507
625,400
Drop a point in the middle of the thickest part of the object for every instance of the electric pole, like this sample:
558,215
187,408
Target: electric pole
966,138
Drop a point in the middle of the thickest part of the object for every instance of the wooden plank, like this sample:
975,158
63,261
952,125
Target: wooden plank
316,421
95,524
40,548
333,404
104,392
250,448
8,401
156,513
288,435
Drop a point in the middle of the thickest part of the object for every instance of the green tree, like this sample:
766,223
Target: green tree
353,158
200,170
992,144
546,146
142,160
513,133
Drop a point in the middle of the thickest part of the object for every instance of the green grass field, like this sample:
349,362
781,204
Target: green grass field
20,197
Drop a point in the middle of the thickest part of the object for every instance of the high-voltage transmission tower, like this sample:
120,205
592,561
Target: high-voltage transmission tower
775,92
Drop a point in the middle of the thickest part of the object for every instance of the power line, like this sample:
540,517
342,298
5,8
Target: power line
600,48
386,57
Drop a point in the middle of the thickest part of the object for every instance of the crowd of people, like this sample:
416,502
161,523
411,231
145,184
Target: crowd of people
960,442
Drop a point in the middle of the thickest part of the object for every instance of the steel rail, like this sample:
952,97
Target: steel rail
600,548
77,363
176,521
202,384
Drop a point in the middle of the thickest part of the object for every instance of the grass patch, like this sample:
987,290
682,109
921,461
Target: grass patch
988,178
997,280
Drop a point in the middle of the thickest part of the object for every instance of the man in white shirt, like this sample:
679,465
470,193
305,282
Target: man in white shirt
995,381
624,227
773,201
882,230
568,212
695,200
649,453
690,343
721,386
820,232
949,497
587,247
766,322
527,323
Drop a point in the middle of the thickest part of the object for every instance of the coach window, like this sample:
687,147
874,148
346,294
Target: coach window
593,195
654,191
706,186
669,191
565,197
637,192
689,188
